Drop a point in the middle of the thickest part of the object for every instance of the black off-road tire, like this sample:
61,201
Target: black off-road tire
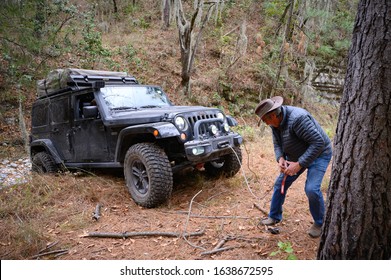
43,162
227,165
148,174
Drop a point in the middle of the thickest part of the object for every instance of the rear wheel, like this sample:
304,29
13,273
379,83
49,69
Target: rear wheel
148,174
227,165
43,162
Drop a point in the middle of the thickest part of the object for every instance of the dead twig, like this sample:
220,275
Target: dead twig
187,222
219,247
50,245
214,251
135,234
221,243
57,252
210,217
261,209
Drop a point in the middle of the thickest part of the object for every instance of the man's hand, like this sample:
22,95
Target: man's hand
282,163
292,168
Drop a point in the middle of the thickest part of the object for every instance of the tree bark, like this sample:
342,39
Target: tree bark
287,39
115,6
166,13
358,217
189,39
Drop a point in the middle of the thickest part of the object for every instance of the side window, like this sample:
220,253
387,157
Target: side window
59,109
40,114
82,101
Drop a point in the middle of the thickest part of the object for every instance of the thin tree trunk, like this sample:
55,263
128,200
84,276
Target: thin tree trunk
115,6
287,37
189,39
166,13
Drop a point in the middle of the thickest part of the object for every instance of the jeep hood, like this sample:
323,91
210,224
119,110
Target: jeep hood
151,115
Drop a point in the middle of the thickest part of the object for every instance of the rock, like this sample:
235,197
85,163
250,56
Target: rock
14,172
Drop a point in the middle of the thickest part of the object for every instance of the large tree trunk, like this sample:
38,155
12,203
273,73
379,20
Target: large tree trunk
358,218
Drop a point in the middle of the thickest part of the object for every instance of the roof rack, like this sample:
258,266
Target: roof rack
60,79
86,80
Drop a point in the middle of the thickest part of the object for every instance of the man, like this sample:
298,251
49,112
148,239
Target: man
299,144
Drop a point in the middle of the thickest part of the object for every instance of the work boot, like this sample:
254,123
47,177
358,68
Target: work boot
269,221
315,231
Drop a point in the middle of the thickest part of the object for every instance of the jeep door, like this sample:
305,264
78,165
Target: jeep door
60,126
89,134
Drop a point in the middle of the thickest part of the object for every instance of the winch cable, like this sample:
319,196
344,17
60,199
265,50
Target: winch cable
244,174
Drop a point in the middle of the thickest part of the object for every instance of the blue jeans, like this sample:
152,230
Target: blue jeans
315,174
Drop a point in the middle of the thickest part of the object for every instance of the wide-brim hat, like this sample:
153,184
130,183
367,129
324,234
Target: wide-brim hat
268,105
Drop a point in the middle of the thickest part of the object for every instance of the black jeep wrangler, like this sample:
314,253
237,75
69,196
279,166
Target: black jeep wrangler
101,119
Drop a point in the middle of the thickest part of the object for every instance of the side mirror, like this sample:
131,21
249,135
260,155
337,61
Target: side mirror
90,112
231,121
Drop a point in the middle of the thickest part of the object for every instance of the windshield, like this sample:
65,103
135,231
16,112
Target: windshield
134,97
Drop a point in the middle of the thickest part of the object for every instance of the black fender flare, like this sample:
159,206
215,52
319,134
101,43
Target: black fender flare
48,146
158,130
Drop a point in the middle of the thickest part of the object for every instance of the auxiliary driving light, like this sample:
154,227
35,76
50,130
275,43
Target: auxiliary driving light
198,150
226,127
213,129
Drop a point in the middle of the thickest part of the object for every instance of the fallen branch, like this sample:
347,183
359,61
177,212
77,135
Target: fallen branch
57,252
261,209
136,234
221,243
48,247
217,217
214,251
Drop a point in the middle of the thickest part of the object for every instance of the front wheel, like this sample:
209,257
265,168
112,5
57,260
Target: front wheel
227,165
148,174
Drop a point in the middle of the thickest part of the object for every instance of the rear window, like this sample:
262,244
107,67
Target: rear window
59,109
40,114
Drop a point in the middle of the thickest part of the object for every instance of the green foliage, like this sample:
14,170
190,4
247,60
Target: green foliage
285,249
32,32
131,9
274,8
92,41
131,55
314,33
248,133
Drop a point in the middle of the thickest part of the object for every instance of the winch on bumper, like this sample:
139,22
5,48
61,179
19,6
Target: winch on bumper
206,147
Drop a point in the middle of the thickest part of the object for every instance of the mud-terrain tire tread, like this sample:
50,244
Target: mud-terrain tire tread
42,162
159,173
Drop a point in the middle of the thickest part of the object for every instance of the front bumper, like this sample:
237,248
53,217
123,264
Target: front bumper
211,148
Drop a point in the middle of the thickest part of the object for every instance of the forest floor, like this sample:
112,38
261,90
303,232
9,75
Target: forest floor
59,214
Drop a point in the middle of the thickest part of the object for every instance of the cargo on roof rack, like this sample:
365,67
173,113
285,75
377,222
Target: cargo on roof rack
60,79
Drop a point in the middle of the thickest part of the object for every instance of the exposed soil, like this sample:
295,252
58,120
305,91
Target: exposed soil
221,209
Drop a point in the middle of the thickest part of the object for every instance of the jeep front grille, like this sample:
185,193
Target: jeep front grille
203,130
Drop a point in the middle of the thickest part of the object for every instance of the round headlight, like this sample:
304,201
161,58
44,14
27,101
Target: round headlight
220,116
213,129
180,123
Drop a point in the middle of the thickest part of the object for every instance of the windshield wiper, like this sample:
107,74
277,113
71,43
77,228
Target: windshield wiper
150,106
124,108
